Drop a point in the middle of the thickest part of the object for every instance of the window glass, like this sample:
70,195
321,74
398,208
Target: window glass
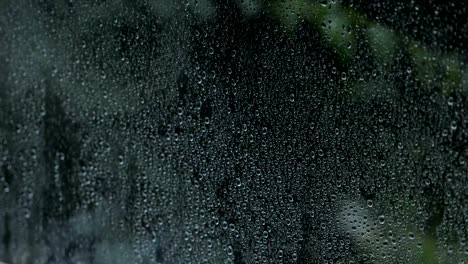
233,131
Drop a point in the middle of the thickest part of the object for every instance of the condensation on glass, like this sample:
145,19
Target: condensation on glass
240,131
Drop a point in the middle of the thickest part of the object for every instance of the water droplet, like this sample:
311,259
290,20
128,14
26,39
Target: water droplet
453,125
229,250
238,182
343,76
292,98
381,219
450,101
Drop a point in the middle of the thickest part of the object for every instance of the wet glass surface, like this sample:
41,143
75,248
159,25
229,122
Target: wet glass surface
237,131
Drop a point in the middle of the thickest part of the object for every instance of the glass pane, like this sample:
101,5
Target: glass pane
237,131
